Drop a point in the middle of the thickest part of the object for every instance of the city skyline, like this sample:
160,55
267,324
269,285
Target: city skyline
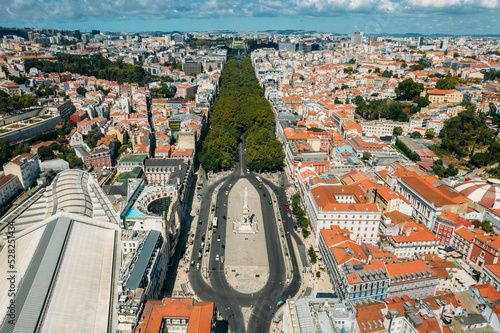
476,17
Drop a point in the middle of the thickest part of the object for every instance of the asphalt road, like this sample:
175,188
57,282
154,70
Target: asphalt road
229,301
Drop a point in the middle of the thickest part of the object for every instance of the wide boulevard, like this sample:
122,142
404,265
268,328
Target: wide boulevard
229,301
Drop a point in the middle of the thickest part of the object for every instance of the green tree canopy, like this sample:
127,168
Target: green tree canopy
409,89
466,132
81,91
45,153
101,68
241,109
422,102
448,82
398,130
430,133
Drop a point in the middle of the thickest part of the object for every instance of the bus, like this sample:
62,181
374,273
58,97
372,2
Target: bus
259,180
214,223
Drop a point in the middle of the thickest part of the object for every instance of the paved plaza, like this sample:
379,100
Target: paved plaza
246,265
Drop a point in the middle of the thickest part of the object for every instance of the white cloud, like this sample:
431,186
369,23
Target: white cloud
38,11
453,4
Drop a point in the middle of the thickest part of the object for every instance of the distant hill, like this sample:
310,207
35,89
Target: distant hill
13,31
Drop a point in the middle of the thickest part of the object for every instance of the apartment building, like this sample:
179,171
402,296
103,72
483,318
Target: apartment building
76,138
26,167
181,315
352,275
11,88
463,238
129,162
98,158
491,274
88,125
445,226
488,300
9,186
161,171
186,90
413,240
66,109
141,277
346,206
412,278
372,145
383,127
387,199
444,96
485,249
342,113
326,314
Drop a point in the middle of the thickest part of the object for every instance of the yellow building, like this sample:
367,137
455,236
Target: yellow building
12,89
445,96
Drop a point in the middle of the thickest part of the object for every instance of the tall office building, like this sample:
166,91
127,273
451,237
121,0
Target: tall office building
357,38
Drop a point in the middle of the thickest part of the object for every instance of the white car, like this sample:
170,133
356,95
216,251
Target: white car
227,192
230,185
217,257
222,259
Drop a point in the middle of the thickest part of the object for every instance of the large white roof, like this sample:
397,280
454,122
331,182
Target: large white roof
72,191
68,265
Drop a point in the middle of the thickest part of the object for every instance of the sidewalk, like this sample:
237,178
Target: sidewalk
309,279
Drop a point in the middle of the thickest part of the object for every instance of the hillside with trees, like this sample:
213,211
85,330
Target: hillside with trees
467,136
239,111
98,65
381,108
9,104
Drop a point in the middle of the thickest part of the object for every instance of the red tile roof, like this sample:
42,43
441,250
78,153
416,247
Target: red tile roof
324,196
402,268
487,290
398,217
370,313
199,315
441,91
434,190
5,179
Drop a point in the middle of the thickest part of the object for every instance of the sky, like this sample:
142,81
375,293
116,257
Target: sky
460,17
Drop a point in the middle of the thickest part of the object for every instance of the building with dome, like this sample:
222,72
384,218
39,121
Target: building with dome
485,192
